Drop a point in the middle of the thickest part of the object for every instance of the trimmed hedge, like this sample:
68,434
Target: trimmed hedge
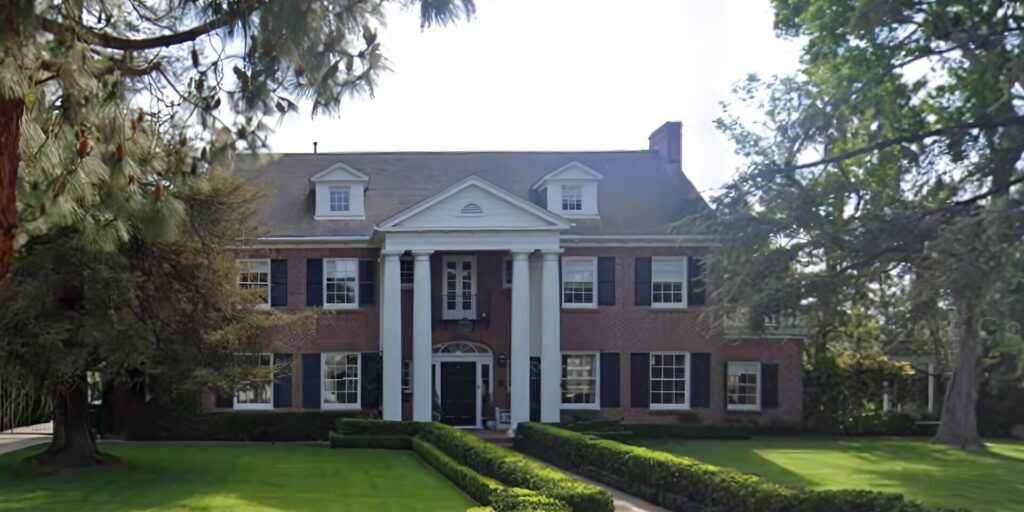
684,484
373,427
617,430
379,442
484,489
264,426
516,470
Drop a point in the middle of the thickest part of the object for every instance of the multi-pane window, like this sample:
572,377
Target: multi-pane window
572,198
506,272
340,199
578,282
407,376
668,380
742,386
579,380
254,275
406,272
668,282
341,380
341,279
257,393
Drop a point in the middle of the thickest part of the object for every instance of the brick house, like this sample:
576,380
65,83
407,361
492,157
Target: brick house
544,284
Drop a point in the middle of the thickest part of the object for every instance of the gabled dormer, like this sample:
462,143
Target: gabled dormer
571,191
339,191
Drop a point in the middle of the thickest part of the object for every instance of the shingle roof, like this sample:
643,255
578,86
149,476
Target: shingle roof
639,195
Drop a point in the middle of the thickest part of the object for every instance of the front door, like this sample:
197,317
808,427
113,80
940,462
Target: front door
459,287
458,393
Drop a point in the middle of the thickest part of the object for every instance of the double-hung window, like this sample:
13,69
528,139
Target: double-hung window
340,199
406,272
743,386
669,384
257,393
668,282
579,380
341,283
506,273
579,282
572,198
340,380
254,277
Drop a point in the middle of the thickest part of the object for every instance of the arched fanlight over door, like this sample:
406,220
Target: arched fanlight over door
461,347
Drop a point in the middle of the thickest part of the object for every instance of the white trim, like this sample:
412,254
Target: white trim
557,223
597,380
672,241
480,358
323,284
325,175
506,272
330,406
561,287
688,379
757,390
270,281
411,260
684,279
592,175
446,313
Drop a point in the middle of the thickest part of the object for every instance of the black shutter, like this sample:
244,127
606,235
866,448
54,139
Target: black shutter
283,381
223,400
609,379
371,380
642,275
314,282
725,386
311,381
696,292
278,283
606,281
770,386
367,290
700,371
640,379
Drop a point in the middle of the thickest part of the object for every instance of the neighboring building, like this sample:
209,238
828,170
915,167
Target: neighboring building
547,280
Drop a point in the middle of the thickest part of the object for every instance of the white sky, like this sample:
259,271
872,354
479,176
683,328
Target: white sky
559,75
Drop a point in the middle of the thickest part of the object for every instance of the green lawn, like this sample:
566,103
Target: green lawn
232,477
937,476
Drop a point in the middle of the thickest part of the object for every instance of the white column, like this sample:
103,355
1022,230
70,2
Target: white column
931,387
422,341
391,336
551,340
520,378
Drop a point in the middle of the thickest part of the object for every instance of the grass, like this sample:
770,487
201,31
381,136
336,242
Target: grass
232,477
935,475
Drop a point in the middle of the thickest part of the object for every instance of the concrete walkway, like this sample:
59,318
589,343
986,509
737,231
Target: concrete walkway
15,442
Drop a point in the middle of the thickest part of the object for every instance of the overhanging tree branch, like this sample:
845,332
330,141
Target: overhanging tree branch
122,43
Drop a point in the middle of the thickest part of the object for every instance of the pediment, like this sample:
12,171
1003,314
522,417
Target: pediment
572,171
339,172
474,204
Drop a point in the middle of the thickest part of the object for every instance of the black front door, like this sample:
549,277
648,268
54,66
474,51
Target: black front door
458,393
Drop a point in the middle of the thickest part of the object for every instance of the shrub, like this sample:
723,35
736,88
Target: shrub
516,470
372,427
691,431
843,393
380,442
263,426
683,484
483,489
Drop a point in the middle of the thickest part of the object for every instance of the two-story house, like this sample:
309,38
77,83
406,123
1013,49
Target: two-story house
540,282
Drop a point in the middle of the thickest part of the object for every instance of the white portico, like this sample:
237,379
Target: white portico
472,215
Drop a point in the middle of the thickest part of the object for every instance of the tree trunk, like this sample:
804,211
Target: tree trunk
11,110
74,444
959,424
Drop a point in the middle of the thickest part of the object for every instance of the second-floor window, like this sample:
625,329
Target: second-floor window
579,282
668,282
254,275
572,198
340,199
406,272
341,283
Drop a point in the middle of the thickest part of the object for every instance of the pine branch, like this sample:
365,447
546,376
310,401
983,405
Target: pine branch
122,43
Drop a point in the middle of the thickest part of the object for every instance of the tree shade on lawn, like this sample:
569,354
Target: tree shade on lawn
936,475
232,477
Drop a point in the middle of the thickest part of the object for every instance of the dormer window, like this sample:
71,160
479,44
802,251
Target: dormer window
338,192
571,191
341,199
572,198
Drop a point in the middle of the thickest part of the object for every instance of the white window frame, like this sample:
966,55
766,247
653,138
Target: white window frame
506,272
330,199
688,380
578,187
756,406
672,305
597,380
325,405
260,406
406,260
270,284
561,288
355,300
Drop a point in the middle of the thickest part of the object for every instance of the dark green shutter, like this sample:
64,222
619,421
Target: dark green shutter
283,381
642,276
640,379
311,381
367,289
696,290
770,386
371,380
700,372
609,379
606,281
278,283
314,282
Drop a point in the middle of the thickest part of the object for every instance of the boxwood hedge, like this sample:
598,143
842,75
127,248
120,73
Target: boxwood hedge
380,442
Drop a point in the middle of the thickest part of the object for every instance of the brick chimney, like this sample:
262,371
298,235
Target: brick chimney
667,141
